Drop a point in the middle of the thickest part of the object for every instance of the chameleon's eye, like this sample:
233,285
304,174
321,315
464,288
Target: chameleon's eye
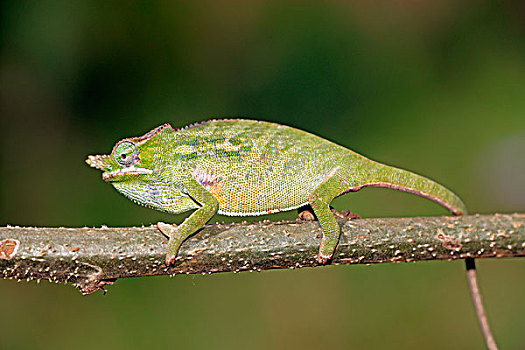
126,153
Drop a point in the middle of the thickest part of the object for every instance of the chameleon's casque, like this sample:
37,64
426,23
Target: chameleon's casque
244,167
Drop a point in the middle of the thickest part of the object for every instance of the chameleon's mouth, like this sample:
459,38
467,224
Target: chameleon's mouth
107,176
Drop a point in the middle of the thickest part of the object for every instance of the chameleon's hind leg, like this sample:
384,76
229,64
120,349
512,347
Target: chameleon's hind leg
320,199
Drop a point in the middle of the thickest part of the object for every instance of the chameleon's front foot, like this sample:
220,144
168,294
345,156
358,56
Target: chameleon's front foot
170,259
306,213
173,243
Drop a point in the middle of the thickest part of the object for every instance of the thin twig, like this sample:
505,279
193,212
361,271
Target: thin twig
478,304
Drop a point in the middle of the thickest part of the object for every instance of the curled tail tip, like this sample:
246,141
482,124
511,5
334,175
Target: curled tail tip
458,212
460,209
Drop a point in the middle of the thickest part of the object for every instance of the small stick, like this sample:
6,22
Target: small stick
478,304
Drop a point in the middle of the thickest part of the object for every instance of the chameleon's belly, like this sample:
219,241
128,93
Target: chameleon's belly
262,193
264,185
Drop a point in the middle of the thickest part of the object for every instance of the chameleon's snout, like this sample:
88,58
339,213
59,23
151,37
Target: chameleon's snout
103,162
97,161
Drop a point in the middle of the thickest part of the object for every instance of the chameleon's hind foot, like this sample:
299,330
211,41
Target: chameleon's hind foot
326,250
345,214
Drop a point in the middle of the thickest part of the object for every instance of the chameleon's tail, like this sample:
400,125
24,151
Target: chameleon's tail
382,175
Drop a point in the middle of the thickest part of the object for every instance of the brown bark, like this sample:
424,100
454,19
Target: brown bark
92,257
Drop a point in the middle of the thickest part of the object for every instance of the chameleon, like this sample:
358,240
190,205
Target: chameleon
240,167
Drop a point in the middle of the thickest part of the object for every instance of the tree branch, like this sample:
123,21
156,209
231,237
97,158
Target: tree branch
92,257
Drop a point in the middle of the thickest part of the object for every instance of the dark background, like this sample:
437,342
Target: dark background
436,87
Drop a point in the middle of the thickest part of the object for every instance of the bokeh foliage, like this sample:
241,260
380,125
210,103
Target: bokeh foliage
435,87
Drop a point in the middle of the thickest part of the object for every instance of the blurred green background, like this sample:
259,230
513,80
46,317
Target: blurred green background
436,87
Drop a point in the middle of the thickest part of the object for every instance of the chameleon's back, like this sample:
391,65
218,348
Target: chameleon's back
255,167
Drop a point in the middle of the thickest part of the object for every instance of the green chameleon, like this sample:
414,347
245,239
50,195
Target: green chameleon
246,167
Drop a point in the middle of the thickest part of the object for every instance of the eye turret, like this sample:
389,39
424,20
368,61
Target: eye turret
126,153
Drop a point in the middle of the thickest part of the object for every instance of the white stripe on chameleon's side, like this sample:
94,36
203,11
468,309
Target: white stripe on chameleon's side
127,171
264,212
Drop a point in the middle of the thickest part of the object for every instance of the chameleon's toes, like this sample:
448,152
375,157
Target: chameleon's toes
346,214
306,213
170,259
102,283
323,260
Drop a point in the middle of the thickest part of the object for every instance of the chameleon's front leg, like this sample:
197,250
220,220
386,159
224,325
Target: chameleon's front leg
177,235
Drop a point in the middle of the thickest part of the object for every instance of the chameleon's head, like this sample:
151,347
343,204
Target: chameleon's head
132,159
137,168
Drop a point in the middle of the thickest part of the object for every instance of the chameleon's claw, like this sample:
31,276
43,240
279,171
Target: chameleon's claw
323,260
306,213
346,214
170,260
103,283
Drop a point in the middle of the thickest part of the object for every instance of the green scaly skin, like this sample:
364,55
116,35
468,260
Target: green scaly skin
244,167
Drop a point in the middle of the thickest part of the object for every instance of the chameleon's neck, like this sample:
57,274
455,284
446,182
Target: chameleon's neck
382,175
